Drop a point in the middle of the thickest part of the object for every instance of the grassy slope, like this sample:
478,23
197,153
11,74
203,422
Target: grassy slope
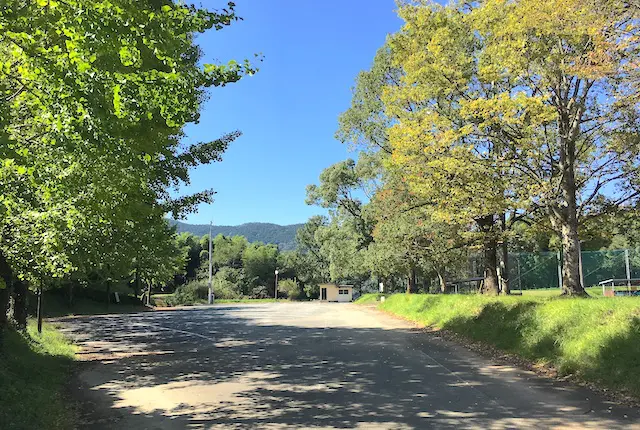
33,373
595,339
554,292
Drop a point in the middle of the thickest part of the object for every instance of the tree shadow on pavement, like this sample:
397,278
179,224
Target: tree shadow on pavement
233,367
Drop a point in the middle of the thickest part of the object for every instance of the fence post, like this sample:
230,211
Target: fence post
628,267
559,270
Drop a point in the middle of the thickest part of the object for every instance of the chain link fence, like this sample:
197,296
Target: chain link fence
529,270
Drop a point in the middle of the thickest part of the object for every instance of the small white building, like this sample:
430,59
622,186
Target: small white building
336,293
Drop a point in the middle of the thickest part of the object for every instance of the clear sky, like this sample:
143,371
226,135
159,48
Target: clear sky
313,50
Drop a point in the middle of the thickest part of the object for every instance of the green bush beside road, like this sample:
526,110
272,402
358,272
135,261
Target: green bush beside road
33,372
598,340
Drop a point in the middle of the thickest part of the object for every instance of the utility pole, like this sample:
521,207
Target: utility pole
210,266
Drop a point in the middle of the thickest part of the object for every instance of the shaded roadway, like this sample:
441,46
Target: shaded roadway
307,365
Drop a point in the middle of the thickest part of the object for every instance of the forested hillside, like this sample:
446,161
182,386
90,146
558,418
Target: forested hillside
282,235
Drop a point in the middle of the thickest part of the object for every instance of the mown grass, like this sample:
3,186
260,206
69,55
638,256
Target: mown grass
222,301
598,340
33,372
555,292
163,300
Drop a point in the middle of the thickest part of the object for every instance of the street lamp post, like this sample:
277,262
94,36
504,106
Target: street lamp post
276,289
210,301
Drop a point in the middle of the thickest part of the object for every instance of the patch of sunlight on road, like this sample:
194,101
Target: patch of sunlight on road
316,315
235,398
192,396
231,343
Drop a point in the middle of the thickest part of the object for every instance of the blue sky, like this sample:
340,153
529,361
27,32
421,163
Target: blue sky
288,112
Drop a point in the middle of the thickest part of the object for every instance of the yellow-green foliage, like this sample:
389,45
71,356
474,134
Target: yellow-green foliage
595,339
33,372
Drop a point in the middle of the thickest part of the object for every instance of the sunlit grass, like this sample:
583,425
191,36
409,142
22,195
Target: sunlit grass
164,300
33,372
595,339
222,301
554,292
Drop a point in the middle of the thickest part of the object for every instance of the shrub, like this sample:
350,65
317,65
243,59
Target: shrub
190,293
290,288
260,292
228,283
312,291
224,289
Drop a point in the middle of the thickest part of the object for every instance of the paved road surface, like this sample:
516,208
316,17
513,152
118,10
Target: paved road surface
306,365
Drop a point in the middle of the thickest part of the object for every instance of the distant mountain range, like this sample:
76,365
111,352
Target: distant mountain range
282,235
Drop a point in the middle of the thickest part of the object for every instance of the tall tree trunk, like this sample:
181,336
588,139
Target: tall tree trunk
443,284
137,283
490,261
564,219
571,282
39,310
414,280
565,214
20,291
411,281
504,257
491,286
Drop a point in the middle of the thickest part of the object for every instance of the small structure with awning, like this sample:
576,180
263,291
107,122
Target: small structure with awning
336,293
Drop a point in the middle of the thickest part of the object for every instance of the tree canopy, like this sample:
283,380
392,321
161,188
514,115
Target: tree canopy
476,119
94,97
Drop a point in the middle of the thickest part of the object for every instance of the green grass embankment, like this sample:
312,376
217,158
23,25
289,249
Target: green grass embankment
256,301
555,292
33,374
368,298
597,340
163,300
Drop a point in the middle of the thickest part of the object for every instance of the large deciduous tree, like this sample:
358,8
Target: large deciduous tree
409,240
455,174
93,99
520,105
567,120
